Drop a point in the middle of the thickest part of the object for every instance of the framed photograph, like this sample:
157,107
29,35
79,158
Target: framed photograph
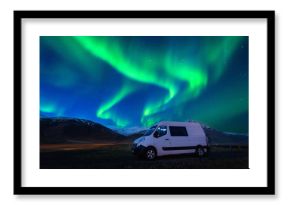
144,102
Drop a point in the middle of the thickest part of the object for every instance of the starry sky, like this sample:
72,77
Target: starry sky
136,81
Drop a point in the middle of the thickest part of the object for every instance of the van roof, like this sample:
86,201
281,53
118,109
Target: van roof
177,123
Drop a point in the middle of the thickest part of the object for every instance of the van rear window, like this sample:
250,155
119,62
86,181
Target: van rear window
178,131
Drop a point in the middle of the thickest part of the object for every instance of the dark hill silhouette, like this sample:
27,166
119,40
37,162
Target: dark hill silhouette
73,130
216,137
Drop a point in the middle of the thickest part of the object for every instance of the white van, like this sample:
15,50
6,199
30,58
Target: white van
171,138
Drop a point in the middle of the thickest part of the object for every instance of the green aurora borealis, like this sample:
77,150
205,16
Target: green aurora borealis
136,81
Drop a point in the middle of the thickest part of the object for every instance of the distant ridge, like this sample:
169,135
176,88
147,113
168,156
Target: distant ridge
61,130
216,137
69,130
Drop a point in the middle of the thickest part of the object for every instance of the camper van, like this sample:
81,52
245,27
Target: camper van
171,138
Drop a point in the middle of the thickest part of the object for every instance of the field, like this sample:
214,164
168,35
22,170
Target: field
119,156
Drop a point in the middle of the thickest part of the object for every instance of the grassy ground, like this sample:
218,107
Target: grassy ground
120,157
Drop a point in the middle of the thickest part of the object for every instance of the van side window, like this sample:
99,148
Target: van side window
178,131
161,131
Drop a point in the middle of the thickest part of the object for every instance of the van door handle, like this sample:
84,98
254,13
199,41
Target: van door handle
166,139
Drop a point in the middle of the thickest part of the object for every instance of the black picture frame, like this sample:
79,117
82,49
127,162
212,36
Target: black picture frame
269,16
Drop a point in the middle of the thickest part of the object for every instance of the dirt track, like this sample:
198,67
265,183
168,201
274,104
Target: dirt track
120,157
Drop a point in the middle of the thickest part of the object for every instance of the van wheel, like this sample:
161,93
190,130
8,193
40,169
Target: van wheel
150,153
200,151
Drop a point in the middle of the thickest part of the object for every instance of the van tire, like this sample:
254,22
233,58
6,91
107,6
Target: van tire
150,153
199,151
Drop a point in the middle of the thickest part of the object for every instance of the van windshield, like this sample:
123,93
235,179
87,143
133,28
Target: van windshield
150,130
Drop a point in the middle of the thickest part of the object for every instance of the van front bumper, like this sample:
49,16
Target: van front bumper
138,150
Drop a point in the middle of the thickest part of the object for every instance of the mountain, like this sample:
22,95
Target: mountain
216,137
73,130
130,131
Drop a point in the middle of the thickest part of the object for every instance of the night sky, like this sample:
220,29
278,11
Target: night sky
136,81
